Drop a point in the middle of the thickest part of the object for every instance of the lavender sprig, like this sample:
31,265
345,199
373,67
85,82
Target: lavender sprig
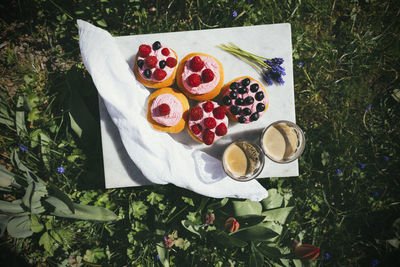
270,68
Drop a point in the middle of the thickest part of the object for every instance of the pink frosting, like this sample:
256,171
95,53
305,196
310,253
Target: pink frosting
203,88
176,110
252,107
201,122
160,57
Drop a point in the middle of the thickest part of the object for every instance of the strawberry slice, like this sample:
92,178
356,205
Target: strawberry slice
196,63
144,50
151,61
194,80
196,113
207,75
208,137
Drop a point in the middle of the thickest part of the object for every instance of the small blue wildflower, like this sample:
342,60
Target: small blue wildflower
234,14
374,262
375,194
158,257
248,1
338,172
23,148
327,256
386,158
60,169
300,64
368,108
362,166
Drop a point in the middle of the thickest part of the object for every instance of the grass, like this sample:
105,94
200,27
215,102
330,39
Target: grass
344,103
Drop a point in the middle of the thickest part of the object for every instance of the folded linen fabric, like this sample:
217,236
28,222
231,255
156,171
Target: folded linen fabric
161,159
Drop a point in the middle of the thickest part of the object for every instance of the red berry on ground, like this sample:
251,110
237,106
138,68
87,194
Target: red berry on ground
164,109
196,113
151,61
171,62
196,63
208,137
219,112
159,74
194,80
165,51
207,75
221,129
210,123
208,106
196,129
144,50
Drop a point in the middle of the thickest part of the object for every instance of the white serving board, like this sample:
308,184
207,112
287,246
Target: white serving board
265,40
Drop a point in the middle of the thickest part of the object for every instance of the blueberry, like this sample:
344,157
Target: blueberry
156,45
259,96
246,111
260,107
239,102
249,100
254,87
147,73
242,119
226,100
235,110
162,64
246,82
243,90
232,94
140,63
234,86
254,116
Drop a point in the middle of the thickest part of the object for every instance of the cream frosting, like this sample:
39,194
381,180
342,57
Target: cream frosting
201,122
203,88
176,110
157,53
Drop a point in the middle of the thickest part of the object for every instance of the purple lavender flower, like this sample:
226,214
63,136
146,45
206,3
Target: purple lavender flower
368,108
23,148
300,64
327,256
277,60
386,158
60,169
362,166
338,172
234,14
267,77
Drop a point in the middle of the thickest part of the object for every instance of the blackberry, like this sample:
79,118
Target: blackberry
242,119
260,107
243,90
232,94
254,87
259,96
140,63
226,100
246,82
246,111
254,116
156,45
147,73
162,64
239,102
249,100
234,86
235,110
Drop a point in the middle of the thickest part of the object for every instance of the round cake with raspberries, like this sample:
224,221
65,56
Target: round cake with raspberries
200,76
207,122
246,99
167,110
155,65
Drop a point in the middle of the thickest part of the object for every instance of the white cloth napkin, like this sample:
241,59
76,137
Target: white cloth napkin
161,159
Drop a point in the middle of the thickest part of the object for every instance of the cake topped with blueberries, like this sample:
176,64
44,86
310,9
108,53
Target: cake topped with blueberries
246,99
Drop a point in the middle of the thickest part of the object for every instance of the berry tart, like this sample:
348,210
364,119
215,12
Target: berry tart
155,65
245,99
167,110
200,76
207,122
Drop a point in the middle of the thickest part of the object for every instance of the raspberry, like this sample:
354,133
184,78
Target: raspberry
208,106
144,50
196,113
171,62
208,137
165,51
159,74
196,129
164,109
151,61
196,63
219,112
194,80
207,75
210,123
221,129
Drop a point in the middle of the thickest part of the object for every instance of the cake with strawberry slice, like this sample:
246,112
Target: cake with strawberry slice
245,99
200,76
155,65
167,110
207,122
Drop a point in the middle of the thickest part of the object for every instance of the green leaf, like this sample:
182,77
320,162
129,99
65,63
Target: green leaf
26,200
269,251
3,223
47,242
86,212
256,258
137,209
11,207
257,232
45,148
277,228
154,198
394,242
274,200
246,207
193,227
20,117
58,204
56,192
228,240
94,255
297,263
74,126
188,200
20,227
36,226
163,254
249,220
218,204
102,23
277,215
